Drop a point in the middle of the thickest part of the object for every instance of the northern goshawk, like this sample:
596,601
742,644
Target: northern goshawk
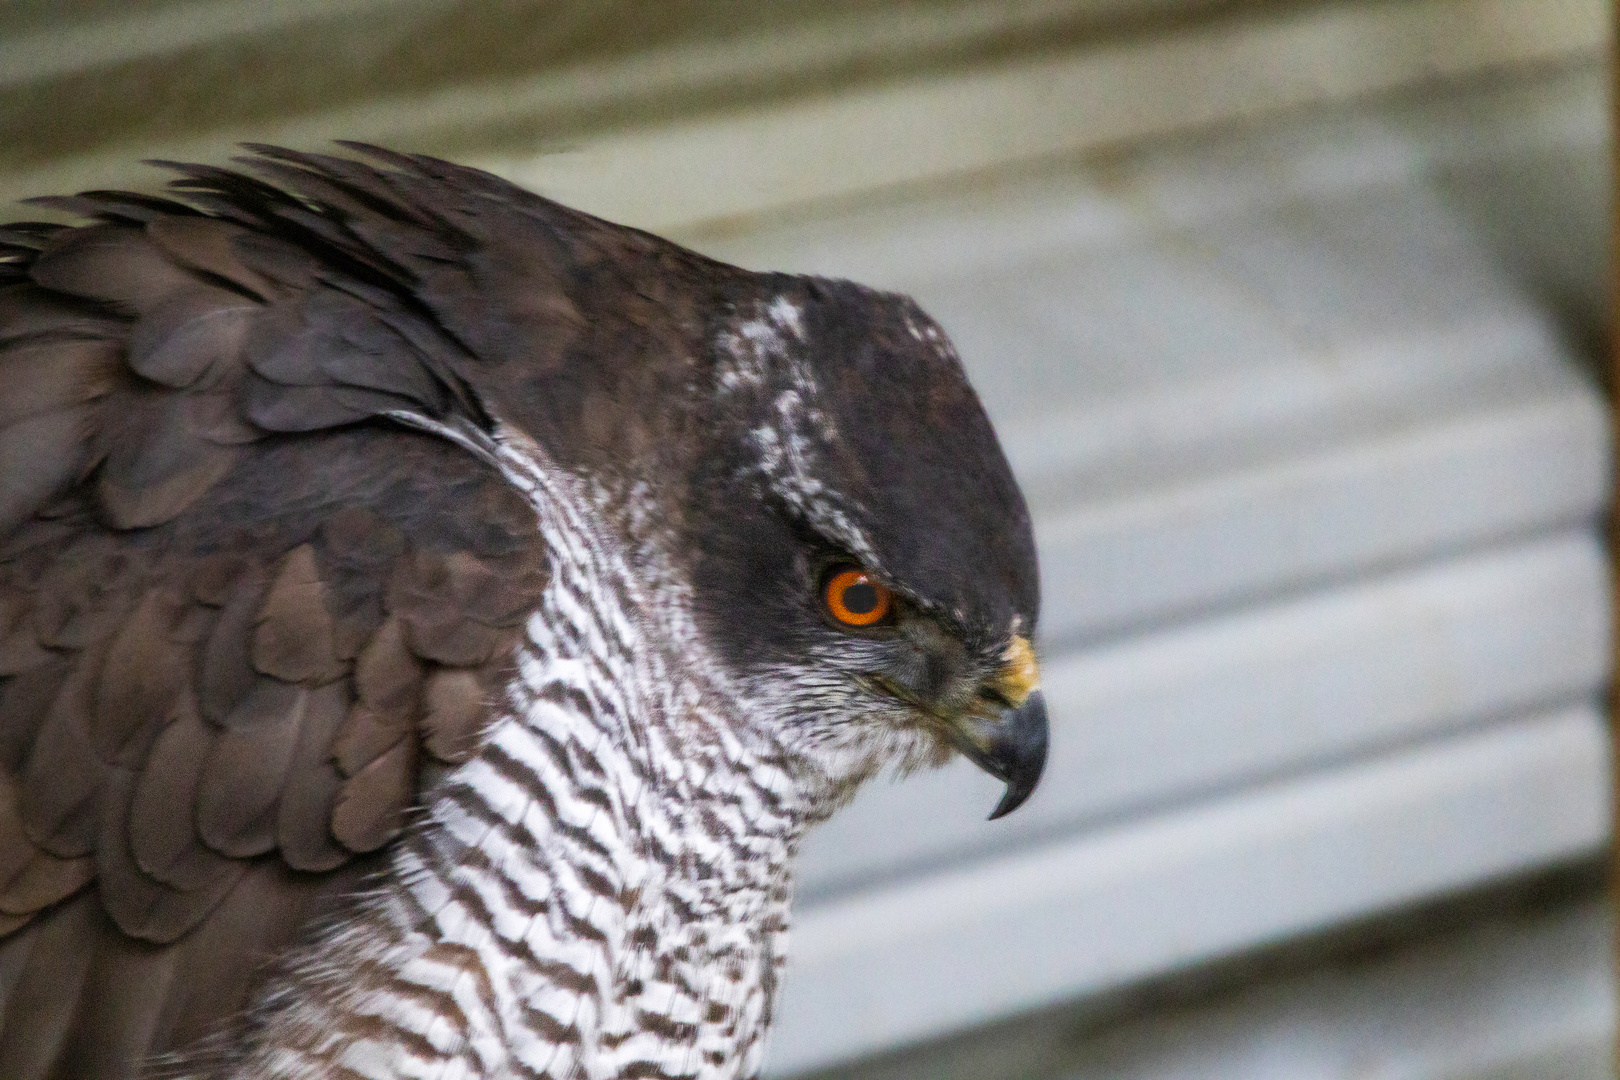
430,617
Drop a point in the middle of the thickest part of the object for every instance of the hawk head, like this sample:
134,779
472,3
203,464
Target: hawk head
756,437
864,557
848,535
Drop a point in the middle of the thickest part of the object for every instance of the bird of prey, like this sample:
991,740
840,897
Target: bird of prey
430,618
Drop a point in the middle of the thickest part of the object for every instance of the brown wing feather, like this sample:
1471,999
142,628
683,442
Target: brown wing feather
304,830
162,836
45,1004
240,618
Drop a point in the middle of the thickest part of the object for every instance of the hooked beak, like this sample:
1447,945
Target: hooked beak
1012,746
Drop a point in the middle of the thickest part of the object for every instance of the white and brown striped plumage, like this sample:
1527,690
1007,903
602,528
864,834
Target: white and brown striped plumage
409,626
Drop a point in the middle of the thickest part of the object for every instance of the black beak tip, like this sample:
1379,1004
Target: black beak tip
1019,754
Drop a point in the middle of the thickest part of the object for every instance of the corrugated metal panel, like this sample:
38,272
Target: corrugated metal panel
734,107
1517,986
1112,905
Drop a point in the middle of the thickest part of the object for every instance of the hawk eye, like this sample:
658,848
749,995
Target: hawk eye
854,599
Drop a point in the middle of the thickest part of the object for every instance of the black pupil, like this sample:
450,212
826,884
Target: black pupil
861,599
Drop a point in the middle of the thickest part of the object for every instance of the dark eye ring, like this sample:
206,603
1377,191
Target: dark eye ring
853,598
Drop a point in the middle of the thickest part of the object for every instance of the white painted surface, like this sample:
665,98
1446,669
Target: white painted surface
850,139
1494,1002
112,37
1516,995
1410,490
920,129
1122,904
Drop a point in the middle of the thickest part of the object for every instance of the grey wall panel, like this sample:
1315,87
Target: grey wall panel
1531,450
1116,905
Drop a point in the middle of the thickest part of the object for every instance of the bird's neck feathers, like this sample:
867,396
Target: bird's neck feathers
604,890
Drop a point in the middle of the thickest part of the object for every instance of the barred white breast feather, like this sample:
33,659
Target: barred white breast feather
601,892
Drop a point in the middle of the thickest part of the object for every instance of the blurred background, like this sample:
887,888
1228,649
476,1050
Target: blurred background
1292,315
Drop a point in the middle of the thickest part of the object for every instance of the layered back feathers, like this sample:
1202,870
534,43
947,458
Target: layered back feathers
229,658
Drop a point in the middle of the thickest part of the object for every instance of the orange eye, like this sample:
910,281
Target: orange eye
855,599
